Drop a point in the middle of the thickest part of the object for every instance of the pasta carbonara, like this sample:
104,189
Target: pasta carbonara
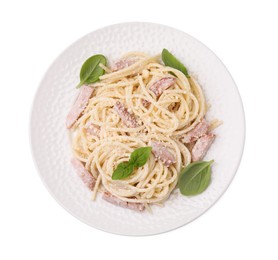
138,102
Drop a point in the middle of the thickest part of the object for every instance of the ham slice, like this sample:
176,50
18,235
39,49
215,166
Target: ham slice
79,105
118,202
128,119
199,130
162,153
83,173
162,84
123,63
201,147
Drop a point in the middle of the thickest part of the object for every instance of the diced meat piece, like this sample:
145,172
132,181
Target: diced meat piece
201,147
83,173
199,130
123,63
79,105
162,84
128,119
145,103
92,129
118,202
162,153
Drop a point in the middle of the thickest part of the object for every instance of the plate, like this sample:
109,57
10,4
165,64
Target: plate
56,94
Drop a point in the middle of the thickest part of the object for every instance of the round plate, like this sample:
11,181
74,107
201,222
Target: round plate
56,94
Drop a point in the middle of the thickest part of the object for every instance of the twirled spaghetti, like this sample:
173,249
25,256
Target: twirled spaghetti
156,114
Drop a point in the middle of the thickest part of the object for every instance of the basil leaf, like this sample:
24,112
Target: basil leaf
195,178
137,159
90,70
122,171
171,61
140,156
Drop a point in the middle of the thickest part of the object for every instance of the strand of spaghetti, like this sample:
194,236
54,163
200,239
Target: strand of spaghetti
133,69
113,85
94,194
201,101
106,69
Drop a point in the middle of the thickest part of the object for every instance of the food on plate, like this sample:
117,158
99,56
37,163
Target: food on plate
138,130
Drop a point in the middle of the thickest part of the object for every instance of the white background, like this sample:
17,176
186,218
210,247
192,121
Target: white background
242,224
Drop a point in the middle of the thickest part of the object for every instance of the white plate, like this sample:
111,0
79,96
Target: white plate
55,96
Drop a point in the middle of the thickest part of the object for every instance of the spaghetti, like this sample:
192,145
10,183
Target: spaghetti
156,105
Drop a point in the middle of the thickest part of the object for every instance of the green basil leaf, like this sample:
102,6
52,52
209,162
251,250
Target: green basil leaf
137,159
122,171
171,61
90,70
140,156
195,178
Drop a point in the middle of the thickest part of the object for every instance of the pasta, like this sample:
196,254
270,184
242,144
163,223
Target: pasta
139,102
